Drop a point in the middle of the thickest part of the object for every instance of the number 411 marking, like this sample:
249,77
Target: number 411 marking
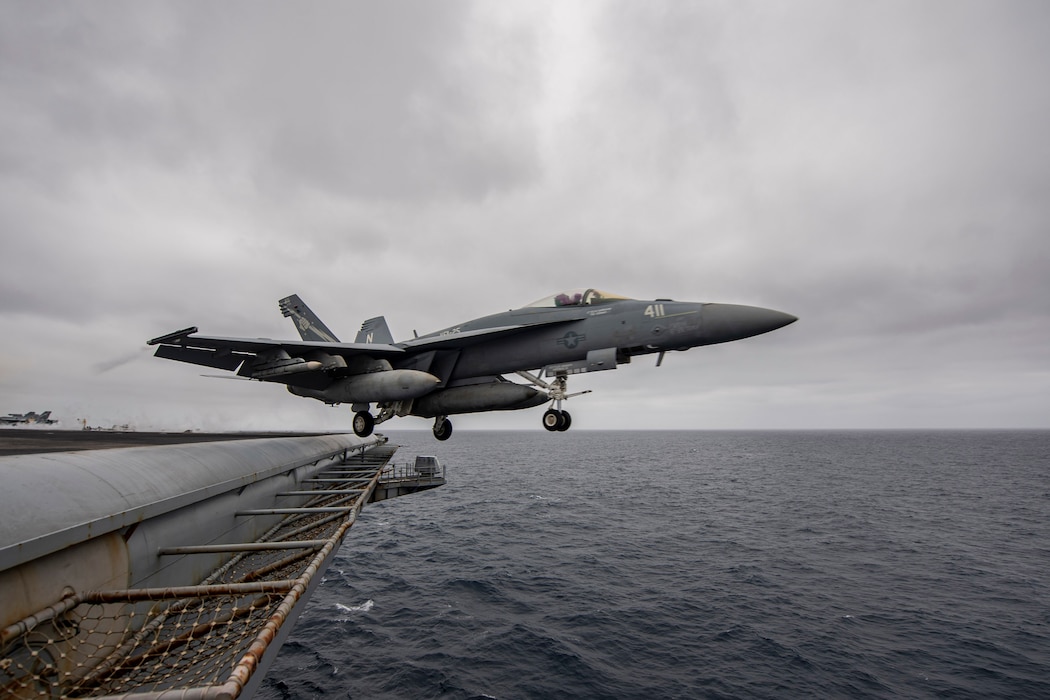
654,310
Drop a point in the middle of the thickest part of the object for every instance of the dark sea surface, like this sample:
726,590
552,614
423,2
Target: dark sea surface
693,565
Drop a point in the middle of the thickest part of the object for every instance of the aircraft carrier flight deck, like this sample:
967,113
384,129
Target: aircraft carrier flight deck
20,441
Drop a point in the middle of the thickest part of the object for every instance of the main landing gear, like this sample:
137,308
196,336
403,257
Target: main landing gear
363,424
442,428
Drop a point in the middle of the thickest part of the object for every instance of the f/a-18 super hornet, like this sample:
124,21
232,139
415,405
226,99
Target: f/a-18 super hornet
461,369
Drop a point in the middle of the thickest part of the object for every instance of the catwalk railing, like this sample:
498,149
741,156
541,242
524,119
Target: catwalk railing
195,641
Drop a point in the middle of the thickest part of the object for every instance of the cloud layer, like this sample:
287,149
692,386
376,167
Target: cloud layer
881,171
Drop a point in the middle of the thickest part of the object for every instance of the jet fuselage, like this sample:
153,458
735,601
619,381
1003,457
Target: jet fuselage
626,327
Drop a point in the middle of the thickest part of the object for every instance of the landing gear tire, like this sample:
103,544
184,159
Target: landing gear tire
363,423
554,420
443,429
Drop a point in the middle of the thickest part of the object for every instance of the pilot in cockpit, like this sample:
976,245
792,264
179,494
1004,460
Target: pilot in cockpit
566,300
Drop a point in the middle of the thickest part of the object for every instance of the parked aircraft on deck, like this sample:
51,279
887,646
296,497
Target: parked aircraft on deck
30,418
461,369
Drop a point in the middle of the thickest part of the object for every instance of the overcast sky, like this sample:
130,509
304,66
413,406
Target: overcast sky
879,169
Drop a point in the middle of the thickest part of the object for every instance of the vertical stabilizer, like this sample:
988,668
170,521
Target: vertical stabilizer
310,327
375,330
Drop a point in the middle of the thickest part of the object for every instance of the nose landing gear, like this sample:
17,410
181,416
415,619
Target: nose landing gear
555,419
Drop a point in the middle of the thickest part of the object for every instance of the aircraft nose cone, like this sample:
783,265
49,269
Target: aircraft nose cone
725,322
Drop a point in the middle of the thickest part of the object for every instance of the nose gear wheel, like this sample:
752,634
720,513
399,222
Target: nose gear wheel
555,419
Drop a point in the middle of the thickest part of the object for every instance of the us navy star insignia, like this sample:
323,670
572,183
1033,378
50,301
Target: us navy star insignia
570,340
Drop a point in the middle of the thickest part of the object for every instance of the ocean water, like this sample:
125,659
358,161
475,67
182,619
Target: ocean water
693,565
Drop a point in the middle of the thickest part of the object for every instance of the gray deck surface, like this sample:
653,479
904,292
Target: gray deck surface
15,441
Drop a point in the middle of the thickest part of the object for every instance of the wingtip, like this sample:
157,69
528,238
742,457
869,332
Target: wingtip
172,337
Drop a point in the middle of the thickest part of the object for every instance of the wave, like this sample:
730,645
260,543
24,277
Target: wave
363,607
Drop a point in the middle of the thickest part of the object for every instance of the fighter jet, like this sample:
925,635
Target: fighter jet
27,418
462,369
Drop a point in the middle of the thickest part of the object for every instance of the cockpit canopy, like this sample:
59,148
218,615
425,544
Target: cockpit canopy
575,297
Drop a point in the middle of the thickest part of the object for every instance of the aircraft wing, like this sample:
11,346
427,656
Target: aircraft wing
278,359
186,339
455,339
271,358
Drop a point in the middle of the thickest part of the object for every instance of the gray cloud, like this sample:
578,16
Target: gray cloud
878,170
